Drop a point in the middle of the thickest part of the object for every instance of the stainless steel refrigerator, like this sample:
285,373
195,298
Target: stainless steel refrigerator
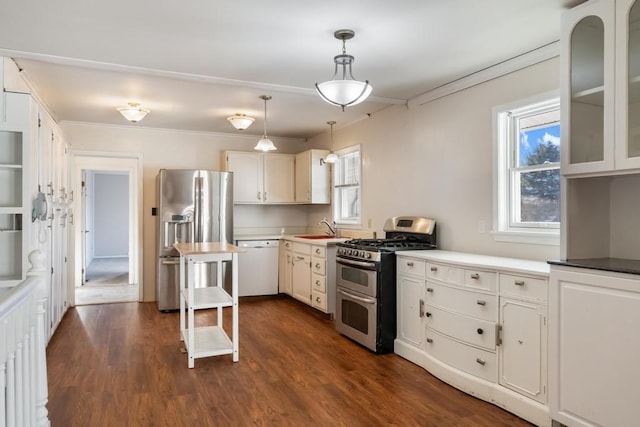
193,206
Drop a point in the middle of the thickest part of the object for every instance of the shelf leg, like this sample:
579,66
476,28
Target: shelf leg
220,284
234,308
190,316
182,302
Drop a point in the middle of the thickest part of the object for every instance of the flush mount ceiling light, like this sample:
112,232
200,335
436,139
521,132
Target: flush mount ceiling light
331,157
133,112
265,144
241,121
343,90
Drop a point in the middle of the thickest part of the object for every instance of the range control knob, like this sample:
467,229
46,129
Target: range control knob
368,255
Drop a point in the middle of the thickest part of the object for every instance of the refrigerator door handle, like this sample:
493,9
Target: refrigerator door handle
198,209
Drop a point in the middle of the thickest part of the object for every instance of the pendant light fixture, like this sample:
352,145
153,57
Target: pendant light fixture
133,112
331,157
343,90
265,144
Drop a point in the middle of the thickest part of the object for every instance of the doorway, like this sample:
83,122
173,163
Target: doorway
107,255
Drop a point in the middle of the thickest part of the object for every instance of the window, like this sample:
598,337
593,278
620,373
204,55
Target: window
528,171
347,191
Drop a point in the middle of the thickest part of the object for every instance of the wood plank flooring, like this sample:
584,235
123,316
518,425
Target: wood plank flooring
121,365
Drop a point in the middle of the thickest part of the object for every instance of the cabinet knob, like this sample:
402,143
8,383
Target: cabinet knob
480,331
317,250
318,265
427,314
481,361
434,269
519,282
409,264
318,300
429,289
480,302
318,282
475,276
429,340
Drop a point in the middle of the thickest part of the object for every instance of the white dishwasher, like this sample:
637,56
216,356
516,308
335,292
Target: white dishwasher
258,267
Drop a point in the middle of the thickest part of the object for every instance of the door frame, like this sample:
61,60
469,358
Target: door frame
108,161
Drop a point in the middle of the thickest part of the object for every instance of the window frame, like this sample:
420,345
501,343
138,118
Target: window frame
337,188
507,171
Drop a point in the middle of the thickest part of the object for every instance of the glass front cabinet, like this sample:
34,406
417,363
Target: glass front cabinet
601,87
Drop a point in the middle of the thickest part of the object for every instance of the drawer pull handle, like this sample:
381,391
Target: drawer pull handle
480,361
318,265
421,308
480,302
480,331
429,289
434,269
429,340
519,282
409,264
475,276
299,257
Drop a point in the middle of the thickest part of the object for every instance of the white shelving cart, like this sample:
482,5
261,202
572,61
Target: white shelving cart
207,341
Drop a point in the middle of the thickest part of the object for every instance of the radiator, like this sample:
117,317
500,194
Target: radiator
23,365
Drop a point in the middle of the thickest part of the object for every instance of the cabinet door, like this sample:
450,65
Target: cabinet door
627,84
523,352
303,177
284,276
588,94
301,277
279,172
410,310
247,176
594,378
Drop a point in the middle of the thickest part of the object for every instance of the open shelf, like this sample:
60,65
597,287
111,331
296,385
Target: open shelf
208,341
209,297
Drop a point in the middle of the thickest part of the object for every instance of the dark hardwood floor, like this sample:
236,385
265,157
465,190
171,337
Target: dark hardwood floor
121,365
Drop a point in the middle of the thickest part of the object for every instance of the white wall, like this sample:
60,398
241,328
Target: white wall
436,160
111,213
172,149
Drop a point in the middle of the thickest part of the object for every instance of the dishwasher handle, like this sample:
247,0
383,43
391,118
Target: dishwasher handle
258,244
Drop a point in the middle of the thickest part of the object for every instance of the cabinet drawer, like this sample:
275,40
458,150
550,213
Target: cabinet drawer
319,300
474,331
523,287
480,279
445,273
411,266
472,360
469,303
319,283
318,265
319,251
301,248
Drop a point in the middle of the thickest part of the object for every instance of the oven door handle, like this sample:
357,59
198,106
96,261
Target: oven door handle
359,264
357,298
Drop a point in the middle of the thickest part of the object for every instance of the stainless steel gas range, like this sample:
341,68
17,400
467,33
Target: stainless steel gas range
366,280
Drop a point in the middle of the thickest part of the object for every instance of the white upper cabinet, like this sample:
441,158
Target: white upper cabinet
313,178
261,178
600,88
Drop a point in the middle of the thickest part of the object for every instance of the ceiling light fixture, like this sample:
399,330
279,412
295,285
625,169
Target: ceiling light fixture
265,144
133,112
343,90
331,157
241,121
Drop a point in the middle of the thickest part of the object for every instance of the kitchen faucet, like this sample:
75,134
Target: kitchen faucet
332,229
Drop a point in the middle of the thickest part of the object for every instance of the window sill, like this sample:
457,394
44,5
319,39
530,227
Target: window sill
549,238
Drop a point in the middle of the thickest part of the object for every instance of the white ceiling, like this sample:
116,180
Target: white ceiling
196,62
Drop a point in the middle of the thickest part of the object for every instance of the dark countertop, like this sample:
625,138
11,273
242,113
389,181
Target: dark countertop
618,265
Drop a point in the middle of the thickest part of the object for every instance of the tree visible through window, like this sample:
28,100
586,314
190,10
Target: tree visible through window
528,168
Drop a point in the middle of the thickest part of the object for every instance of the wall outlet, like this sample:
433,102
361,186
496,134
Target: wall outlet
482,228
369,223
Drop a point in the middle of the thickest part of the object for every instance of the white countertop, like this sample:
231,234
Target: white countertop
481,261
324,242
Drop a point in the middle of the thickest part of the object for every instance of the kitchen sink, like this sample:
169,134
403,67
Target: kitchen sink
317,236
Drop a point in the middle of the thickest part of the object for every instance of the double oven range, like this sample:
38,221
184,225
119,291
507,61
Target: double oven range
366,280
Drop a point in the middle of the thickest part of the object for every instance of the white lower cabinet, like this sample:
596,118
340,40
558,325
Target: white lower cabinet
307,272
594,347
478,323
